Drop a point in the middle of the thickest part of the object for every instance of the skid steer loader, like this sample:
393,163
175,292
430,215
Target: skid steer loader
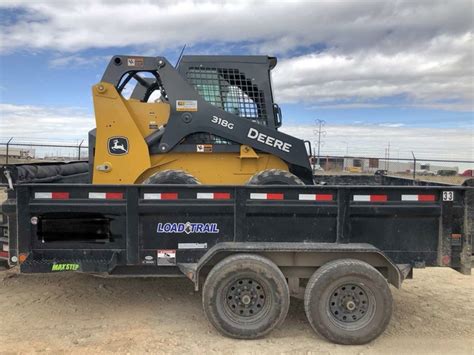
210,120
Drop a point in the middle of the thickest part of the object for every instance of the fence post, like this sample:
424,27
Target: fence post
414,168
7,151
79,150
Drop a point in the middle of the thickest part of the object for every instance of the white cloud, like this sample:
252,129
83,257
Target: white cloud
38,122
372,140
359,51
33,123
437,75
76,60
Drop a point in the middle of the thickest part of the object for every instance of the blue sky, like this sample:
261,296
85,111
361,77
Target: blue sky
404,67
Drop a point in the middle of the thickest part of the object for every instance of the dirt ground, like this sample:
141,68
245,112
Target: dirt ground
76,313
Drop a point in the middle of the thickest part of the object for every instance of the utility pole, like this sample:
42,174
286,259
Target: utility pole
319,132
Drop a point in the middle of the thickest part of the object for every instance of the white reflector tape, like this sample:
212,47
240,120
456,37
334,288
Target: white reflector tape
213,195
370,198
97,195
362,198
425,198
270,196
315,197
5,247
152,196
161,196
52,195
43,195
106,195
205,195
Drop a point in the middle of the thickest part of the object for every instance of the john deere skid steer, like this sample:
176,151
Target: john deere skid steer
210,120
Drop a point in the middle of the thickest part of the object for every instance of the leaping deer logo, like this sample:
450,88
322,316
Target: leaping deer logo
118,146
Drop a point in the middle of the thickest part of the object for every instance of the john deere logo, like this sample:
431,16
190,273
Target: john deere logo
118,145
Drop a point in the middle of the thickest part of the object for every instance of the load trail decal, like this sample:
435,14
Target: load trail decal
188,228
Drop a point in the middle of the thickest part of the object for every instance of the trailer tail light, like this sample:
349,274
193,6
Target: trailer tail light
370,198
52,195
274,196
315,197
161,196
213,195
106,195
423,198
22,258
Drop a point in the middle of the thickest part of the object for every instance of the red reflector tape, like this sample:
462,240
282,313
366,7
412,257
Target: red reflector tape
4,254
315,197
114,195
60,195
169,196
370,198
161,196
426,197
52,195
106,195
272,196
213,195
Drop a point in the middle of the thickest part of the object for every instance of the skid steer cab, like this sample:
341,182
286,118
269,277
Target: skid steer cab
210,120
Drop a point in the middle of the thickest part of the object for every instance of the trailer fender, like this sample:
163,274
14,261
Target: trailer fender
302,256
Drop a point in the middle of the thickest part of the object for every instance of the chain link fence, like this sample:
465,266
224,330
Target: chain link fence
18,150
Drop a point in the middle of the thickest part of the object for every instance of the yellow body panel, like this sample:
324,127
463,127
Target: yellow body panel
118,117
214,168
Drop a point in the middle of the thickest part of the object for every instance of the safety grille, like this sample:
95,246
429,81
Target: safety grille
229,90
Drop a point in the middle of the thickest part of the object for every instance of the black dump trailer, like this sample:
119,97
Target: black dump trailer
249,248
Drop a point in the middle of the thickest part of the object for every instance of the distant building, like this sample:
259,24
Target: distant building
17,153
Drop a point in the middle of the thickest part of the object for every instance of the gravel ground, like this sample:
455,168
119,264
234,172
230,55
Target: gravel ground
76,313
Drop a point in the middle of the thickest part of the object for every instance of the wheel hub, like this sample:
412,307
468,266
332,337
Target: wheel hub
245,297
349,303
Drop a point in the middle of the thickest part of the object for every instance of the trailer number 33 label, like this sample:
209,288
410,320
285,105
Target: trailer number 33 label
448,196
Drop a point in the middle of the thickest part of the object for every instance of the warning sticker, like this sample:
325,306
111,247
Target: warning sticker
167,257
135,62
153,125
148,259
204,148
186,105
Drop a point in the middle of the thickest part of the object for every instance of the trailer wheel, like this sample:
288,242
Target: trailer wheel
274,177
348,302
172,177
245,296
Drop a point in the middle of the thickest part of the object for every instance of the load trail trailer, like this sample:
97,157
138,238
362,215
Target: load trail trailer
250,247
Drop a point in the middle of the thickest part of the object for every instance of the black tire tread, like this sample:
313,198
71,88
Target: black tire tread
352,265
245,259
171,177
270,176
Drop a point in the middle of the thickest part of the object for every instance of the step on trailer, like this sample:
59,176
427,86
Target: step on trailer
249,248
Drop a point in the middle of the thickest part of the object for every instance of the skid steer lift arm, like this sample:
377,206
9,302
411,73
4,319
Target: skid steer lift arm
201,116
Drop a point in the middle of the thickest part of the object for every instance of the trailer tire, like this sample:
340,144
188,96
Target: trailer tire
171,177
348,302
245,296
274,177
